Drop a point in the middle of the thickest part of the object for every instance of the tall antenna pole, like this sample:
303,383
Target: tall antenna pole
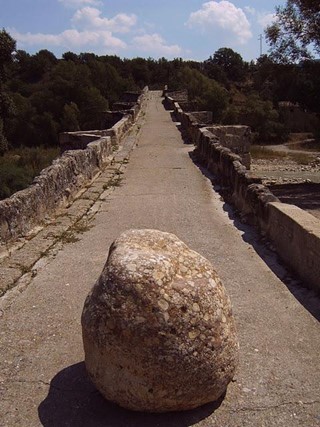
260,38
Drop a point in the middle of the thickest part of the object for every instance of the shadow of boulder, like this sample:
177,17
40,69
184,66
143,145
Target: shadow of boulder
73,401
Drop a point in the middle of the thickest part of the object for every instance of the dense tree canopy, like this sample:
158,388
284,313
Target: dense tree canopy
230,62
7,47
204,93
295,31
41,95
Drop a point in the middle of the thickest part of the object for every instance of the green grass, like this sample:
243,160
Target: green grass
72,234
19,166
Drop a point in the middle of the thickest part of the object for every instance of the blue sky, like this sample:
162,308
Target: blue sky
190,29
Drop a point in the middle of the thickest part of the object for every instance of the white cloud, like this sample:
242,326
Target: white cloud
222,15
70,39
90,17
79,3
250,10
265,19
156,45
90,30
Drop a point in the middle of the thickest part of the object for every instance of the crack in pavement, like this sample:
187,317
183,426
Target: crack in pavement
280,405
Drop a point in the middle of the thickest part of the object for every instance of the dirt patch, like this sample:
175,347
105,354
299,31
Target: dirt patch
284,170
304,195
292,175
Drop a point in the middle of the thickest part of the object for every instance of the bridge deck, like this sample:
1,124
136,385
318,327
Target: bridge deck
42,377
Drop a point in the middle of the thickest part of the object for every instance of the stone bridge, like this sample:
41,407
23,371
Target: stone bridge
154,181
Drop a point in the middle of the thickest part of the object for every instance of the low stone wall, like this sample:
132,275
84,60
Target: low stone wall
79,140
180,96
110,118
119,106
202,117
58,184
118,130
246,191
121,120
296,237
236,138
53,188
294,232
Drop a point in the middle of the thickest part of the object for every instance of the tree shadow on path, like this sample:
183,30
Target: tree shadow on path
73,401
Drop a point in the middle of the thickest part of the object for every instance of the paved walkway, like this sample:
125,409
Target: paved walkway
42,377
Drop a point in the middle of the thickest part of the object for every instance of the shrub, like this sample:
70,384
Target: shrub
18,167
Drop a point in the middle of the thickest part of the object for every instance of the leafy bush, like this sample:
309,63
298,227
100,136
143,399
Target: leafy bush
18,168
261,117
12,178
207,93
3,140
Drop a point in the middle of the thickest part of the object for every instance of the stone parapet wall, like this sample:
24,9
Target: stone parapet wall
119,106
296,237
202,117
110,118
118,130
294,232
180,96
246,192
122,122
55,187
237,138
58,184
78,140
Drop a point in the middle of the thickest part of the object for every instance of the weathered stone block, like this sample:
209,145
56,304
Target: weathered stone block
158,331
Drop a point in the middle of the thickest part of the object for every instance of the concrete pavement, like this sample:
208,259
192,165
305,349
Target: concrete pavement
42,376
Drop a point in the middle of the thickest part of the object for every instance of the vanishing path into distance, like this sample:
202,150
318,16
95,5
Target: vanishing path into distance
42,377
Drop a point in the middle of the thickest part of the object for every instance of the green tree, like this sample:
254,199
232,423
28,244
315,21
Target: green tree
192,80
70,56
47,129
264,73
7,47
261,116
214,99
215,71
92,103
206,94
3,140
295,30
231,63
40,64
20,127
70,118
138,68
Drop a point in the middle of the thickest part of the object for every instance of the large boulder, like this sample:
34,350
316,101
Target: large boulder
158,331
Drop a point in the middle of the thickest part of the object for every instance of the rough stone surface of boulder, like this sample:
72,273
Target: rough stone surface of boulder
158,331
